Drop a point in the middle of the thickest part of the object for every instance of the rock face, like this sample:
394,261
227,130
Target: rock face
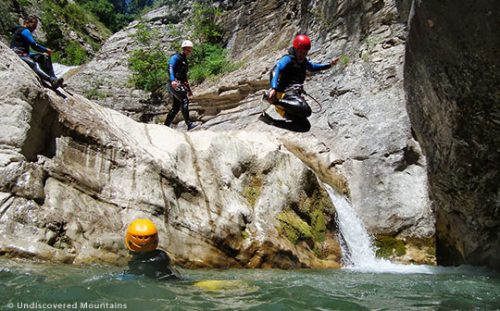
363,129
74,174
363,125
452,78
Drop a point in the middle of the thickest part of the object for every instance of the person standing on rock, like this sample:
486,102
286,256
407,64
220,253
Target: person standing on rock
41,63
178,84
287,78
141,240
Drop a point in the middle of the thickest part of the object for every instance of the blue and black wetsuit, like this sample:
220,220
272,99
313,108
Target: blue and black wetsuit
286,75
178,70
21,42
154,264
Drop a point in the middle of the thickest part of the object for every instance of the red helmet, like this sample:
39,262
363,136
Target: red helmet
302,42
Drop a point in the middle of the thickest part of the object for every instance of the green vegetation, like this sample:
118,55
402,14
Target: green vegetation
308,220
149,69
294,227
75,54
149,65
7,21
318,225
144,34
24,2
388,246
209,58
205,24
77,19
252,191
315,207
112,13
344,59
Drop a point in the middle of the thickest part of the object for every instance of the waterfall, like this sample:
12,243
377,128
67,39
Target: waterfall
60,69
357,247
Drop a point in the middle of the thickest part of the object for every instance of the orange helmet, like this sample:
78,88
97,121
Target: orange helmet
141,236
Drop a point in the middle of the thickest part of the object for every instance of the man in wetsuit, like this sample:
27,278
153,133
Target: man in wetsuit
142,240
287,78
178,84
41,63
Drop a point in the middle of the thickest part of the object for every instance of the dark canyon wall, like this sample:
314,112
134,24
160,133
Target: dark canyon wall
452,80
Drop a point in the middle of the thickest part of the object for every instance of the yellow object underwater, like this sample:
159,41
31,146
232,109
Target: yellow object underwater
219,285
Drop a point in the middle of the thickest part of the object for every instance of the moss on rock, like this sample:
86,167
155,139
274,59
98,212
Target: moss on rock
318,225
293,227
388,246
252,190
317,209
245,235
310,219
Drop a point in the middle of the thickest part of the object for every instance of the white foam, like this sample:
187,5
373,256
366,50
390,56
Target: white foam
357,245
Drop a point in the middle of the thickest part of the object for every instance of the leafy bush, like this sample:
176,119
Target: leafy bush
149,69
70,16
111,13
75,54
205,23
7,21
208,60
209,57
144,34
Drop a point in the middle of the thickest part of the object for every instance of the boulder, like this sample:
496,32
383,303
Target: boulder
75,173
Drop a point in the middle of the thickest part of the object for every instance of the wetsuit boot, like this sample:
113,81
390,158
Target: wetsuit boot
43,67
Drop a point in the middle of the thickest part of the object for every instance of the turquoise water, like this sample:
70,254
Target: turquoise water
105,288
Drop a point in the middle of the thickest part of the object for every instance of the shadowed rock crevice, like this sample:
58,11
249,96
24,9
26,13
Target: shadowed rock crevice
44,128
452,75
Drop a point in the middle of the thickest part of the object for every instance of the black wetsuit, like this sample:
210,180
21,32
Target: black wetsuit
21,42
154,264
178,70
287,76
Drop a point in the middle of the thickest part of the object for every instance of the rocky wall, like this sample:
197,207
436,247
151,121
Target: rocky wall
74,174
452,79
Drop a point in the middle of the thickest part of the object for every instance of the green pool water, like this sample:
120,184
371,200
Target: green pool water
27,286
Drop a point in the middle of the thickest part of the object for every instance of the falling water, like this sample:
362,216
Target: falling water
356,243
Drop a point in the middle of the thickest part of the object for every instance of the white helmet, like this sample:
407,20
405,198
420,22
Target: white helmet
187,44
